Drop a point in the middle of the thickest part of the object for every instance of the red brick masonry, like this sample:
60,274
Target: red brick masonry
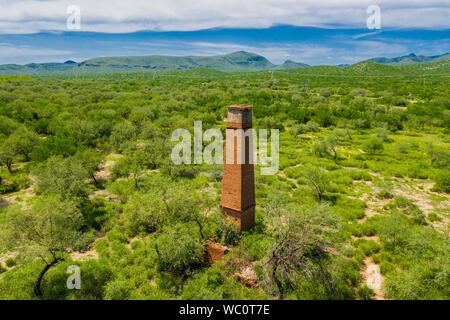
238,183
215,251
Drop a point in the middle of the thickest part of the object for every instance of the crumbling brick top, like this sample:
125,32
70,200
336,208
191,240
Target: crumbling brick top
239,116
240,107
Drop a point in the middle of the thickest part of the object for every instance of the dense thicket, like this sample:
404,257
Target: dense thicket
86,172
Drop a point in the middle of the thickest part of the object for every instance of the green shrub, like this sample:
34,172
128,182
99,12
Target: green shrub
95,276
207,285
9,187
255,245
374,146
408,208
369,229
350,209
117,235
10,262
179,249
433,217
367,247
417,172
359,175
401,202
440,158
118,290
123,188
331,197
442,182
422,281
384,194
365,293
227,233
383,134
417,215
310,126
144,213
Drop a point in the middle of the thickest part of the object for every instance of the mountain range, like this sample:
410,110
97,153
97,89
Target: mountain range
236,61
411,59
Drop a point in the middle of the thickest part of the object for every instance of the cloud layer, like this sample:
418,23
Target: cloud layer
119,16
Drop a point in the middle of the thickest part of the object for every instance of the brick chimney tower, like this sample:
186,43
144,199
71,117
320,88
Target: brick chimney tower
238,182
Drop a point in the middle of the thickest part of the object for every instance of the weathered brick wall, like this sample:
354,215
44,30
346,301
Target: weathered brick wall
238,182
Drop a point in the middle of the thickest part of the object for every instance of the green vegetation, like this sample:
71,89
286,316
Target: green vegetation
86,179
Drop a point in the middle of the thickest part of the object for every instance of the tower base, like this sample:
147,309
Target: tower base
244,220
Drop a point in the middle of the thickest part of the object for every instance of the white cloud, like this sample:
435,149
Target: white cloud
26,16
350,52
328,51
18,53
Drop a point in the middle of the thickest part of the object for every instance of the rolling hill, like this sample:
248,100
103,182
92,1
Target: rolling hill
230,62
236,61
239,61
411,59
289,64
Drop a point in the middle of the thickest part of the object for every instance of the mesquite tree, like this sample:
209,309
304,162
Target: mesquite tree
48,231
302,237
317,179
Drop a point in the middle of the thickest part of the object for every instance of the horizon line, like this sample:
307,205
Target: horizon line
226,54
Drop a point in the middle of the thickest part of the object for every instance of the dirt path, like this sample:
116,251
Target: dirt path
82,256
105,169
371,275
284,176
104,173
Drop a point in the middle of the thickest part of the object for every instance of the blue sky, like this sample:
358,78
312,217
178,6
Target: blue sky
313,32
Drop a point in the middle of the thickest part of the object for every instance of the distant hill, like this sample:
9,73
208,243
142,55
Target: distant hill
237,61
289,64
70,62
37,68
370,68
411,59
439,67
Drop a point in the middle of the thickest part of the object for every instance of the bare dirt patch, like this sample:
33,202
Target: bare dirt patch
421,193
418,191
105,169
371,275
86,255
419,199
247,276
429,201
104,194
8,255
368,238
20,197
